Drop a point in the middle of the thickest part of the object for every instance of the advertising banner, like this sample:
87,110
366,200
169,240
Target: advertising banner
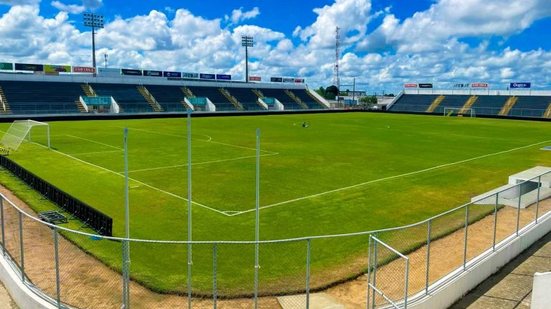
83,70
207,76
276,79
190,75
29,67
521,85
152,73
54,69
410,85
299,80
172,74
425,85
255,78
109,72
461,85
223,76
479,85
131,72
288,80
6,66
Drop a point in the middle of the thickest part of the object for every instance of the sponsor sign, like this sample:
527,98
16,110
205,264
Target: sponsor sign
207,76
288,80
276,79
83,70
6,66
190,75
54,69
223,76
29,67
131,72
461,85
299,80
172,74
425,85
410,85
521,85
479,85
152,73
109,71
255,78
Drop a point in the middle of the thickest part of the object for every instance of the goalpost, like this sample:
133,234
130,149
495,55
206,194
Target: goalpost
459,111
21,130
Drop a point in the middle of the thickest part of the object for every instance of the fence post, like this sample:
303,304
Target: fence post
56,259
375,248
518,208
308,251
495,222
3,232
466,237
22,248
368,272
125,274
406,283
427,268
214,273
538,199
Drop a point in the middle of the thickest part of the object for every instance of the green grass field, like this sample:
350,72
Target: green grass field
344,173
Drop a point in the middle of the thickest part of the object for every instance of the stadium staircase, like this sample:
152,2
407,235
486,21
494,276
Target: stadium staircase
547,113
508,105
231,98
187,92
296,99
315,99
468,104
80,106
435,103
88,90
258,93
150,99
4,103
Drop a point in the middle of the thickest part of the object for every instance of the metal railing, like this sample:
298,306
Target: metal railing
405,262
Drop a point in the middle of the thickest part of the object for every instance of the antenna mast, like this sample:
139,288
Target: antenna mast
336,77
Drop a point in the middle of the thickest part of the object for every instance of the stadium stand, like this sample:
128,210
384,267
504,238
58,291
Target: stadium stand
309,101
41,97
530,106
282,97
127,97
413,103
215,96
455,101
247,98
490,105
169,97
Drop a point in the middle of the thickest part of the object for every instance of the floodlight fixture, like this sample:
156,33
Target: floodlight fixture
247,41
93,21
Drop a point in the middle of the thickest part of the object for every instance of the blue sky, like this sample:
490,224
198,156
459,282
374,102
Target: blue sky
385,43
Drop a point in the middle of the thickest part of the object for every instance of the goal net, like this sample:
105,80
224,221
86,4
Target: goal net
21,130
459,111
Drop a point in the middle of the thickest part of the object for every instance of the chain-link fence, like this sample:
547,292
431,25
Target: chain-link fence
389,267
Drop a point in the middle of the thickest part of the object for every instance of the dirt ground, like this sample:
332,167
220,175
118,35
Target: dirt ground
87,283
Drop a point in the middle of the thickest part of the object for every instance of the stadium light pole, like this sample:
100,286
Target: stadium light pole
247,41
93,21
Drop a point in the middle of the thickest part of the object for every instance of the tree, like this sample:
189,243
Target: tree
321,91
368,102
331,92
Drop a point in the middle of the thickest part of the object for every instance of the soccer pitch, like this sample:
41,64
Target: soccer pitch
344,173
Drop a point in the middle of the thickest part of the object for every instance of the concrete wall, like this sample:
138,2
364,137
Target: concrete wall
541,299
448,290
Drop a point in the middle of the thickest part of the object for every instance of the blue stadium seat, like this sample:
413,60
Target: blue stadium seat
42,97
126,95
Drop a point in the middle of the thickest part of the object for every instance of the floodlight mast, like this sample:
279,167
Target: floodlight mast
93,21
247,41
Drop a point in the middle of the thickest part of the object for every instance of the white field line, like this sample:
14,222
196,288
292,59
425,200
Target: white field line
208,140
94,152
198,163
135,180
391,177
93,141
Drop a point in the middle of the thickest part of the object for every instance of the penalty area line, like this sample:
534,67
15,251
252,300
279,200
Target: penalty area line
390,177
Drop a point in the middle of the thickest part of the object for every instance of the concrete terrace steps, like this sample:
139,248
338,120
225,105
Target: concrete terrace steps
296,99
435,103
150,98
508,106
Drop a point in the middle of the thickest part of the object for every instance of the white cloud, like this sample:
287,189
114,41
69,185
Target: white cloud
238,15
20,2
77,9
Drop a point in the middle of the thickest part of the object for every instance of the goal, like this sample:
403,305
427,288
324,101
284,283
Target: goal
21,130
459,112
